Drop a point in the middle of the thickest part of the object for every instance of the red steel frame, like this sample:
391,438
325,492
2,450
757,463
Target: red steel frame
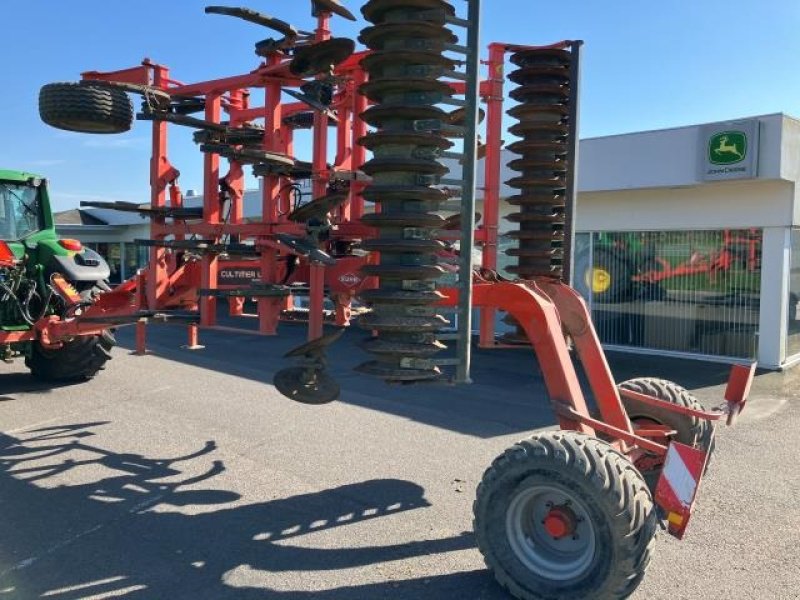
174,286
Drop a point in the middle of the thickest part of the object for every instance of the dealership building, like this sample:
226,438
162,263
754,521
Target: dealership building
687,239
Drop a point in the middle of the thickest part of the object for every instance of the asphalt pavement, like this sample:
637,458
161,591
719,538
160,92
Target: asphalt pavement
185,475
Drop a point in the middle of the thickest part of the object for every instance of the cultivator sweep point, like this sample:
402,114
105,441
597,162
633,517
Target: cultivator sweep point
405,68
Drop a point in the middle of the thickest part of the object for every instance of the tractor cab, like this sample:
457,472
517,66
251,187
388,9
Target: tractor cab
23,199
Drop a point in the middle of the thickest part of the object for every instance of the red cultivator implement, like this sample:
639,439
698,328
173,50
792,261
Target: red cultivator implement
568,514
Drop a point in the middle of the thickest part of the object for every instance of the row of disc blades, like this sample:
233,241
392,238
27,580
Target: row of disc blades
543,93
407,63
543,79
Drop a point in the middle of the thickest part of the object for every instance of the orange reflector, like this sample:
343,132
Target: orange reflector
675,518
65,289
71,245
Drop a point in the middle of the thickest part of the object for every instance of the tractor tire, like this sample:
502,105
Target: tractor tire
694,432
564,515
85,108
609,278
77,360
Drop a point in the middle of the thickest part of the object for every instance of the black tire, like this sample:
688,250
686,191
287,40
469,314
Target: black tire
609,496
85,108
618,272
691,431
77,360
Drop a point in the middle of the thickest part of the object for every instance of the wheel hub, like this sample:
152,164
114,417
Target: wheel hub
560,522
550,532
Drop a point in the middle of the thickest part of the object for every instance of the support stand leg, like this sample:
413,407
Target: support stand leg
194,338
141,338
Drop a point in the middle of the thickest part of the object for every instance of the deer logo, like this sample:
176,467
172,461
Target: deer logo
727,148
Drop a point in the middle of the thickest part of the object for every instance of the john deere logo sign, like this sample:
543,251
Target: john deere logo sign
727,148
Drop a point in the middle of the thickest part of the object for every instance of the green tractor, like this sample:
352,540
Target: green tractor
43,278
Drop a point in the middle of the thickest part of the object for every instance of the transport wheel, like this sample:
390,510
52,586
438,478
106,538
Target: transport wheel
691,431
564,515
85,108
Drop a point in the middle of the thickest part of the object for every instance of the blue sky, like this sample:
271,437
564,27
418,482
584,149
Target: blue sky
647,65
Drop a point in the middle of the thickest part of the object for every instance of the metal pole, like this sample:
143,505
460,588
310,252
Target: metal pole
468,190
492,168
572,161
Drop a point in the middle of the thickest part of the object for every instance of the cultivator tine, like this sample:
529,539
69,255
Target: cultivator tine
310,101
321,57
249,137
172,212
249,155
252,16
202,247
179,119
317,209
331,6
306,248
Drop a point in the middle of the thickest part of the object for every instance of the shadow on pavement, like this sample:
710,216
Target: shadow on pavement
507,396
476,409
24,383
117,531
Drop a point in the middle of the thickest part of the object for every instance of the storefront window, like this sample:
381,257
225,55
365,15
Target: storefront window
793,335
686,291
134,259
113,255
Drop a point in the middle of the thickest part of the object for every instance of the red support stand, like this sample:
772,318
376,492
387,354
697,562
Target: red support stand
141,338
193,342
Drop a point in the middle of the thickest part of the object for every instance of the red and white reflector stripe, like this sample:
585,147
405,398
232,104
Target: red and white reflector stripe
677,487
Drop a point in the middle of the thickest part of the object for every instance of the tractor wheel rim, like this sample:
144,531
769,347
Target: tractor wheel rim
598,279
554,558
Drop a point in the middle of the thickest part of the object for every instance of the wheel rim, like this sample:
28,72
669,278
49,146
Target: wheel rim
598,279
550,532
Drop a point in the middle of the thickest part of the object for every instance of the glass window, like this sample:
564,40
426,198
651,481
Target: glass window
683,291
793,336
133,259
20,212
112,253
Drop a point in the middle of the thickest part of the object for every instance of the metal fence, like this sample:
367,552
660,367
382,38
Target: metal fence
688,291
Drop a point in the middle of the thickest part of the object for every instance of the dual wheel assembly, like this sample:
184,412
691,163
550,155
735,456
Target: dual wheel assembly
564,515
